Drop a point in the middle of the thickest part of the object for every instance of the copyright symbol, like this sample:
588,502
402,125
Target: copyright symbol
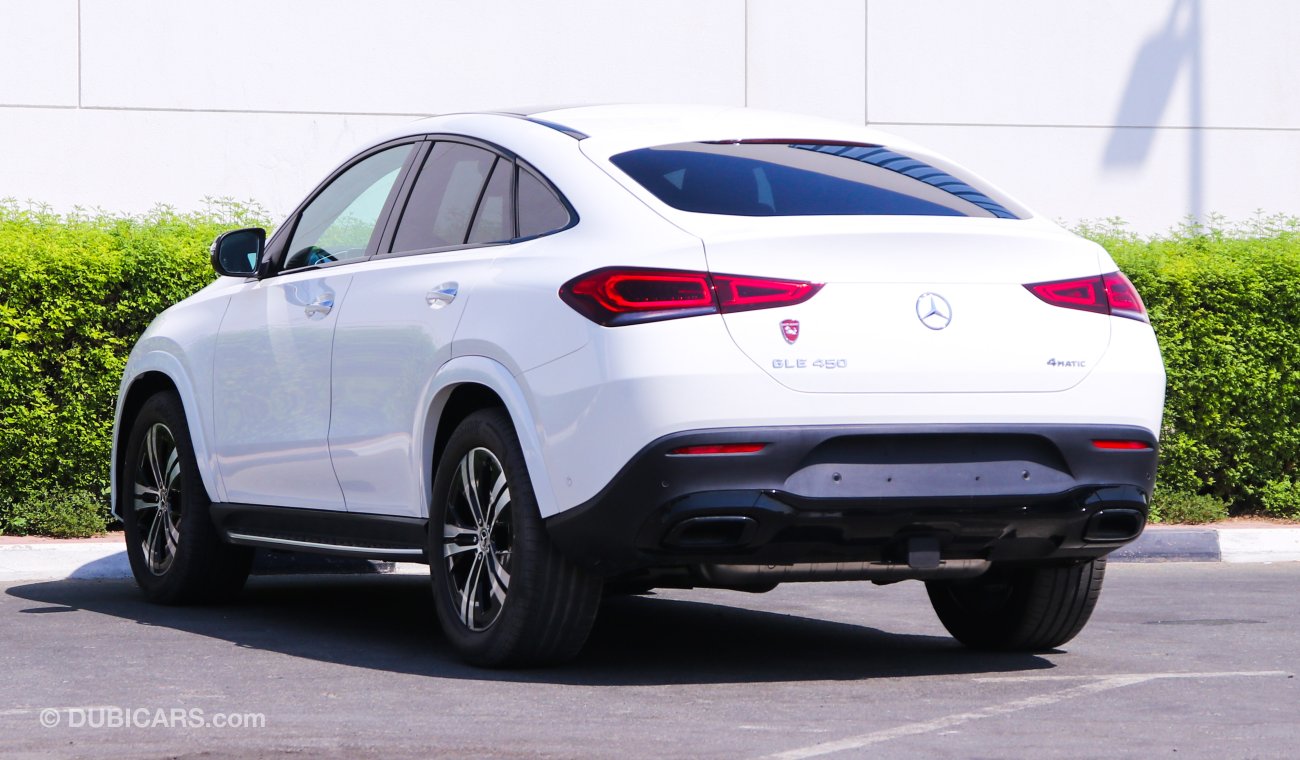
49,717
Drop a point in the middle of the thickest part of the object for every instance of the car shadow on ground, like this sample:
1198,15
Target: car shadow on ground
388,623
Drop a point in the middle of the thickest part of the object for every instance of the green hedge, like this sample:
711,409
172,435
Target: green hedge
1225,304
75,292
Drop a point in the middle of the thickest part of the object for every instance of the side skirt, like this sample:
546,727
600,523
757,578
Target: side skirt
318,531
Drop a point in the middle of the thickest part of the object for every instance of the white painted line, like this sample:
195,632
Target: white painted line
3,713
51,561
1222,674
1104,683
1260,545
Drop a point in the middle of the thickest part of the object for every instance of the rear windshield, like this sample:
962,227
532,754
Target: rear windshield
787,178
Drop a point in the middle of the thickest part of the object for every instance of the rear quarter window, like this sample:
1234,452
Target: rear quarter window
792,178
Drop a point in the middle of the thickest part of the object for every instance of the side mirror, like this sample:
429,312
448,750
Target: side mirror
236,253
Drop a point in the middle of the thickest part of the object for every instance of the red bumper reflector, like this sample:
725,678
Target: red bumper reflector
718,448
1122,445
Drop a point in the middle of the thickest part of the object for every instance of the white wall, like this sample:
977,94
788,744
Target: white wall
1149,111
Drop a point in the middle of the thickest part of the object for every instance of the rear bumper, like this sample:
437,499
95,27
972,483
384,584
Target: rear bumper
865,494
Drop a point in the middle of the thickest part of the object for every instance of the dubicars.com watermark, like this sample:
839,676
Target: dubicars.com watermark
112,716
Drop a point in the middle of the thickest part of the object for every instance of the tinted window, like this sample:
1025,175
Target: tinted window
766,178
441,206
494,221
540,211
338,223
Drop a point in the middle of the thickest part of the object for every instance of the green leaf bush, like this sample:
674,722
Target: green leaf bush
76,290
1225,303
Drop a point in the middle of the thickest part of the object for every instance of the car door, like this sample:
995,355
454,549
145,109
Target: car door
403,309
272,382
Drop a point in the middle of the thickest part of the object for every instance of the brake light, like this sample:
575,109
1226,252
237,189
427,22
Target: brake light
1104,294
622,295
1109,445
718,448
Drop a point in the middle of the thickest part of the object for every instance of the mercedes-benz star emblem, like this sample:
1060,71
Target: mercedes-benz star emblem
933,311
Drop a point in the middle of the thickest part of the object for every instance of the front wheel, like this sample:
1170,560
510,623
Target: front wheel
176,555
504,595
1026,609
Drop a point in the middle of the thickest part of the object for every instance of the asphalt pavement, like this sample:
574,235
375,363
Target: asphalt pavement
1181,659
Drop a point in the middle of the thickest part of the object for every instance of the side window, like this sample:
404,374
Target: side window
540,211
444,198
494,222
337,225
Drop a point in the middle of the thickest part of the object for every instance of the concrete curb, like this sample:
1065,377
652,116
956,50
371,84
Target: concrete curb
1161,544
99,559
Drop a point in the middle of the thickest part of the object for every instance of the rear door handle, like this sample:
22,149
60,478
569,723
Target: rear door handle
442,295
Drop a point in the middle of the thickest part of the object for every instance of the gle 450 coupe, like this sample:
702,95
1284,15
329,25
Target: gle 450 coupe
559,353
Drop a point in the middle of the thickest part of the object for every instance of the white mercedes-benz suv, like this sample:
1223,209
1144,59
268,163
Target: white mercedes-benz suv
558,353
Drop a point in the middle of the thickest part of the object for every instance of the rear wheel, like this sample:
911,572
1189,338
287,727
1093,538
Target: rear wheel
1028,609
504,595
176,555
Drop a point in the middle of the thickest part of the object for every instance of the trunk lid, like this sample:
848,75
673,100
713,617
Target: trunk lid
911,305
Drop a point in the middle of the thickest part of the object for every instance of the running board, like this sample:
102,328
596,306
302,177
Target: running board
318,531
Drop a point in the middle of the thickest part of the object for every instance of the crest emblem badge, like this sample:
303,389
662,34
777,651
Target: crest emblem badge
790,330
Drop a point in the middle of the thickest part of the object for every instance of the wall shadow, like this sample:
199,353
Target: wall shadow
1162,59
387,623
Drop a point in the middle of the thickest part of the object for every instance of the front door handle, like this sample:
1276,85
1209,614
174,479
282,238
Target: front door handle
318,308
442,295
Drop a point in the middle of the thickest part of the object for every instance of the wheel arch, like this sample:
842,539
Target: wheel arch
159,372
465,385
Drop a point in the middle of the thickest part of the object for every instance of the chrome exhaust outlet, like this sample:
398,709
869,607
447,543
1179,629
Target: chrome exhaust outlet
749,576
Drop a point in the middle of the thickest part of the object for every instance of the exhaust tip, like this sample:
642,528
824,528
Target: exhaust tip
1112,525
712,532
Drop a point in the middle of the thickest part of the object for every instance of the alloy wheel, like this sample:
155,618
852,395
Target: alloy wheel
478,538
157,498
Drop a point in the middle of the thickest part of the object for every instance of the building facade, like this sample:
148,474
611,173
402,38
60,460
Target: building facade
1147,111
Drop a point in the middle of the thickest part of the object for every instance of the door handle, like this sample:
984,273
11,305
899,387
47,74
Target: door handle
318,308
442,295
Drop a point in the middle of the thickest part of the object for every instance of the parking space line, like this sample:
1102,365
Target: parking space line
1222,674
1098,685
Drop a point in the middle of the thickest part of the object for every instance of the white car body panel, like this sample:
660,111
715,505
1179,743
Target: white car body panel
389,343
179,345
272,382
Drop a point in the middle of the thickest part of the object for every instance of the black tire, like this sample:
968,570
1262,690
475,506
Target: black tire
504,595
176,555
1025,609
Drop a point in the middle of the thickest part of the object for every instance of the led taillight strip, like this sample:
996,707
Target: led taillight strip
1103,294
625,295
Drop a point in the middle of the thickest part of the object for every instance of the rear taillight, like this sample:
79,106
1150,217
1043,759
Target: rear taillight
1104,294
1124,298
619,295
